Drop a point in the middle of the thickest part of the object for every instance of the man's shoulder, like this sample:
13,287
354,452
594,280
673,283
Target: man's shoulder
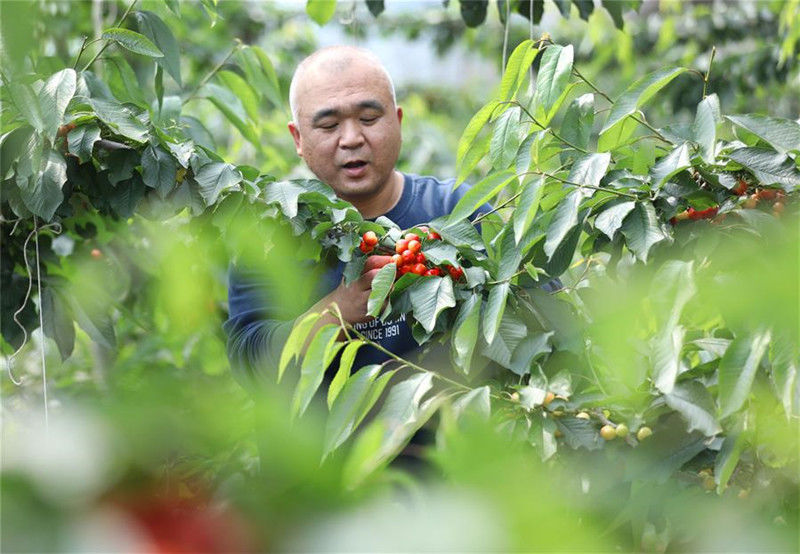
437,195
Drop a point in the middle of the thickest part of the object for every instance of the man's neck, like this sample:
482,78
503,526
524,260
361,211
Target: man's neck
384,201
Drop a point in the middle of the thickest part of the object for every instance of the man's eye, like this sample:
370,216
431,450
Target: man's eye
328,126
369,120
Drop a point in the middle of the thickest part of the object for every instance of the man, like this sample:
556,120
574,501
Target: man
346,127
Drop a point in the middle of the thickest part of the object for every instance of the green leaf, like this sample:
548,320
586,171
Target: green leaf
57,318
123,82
91,310
508,336
495,306
468,138
232,109
54,97
42,193
157,31
375,7
506,138
475,403
610,219
784,357
343,373
768,166
120,119
429,297
526,208
782,134
589,170
585,8
286,194
133,41
704,128
579,433
553,78
618,135
482,193
519,62
528,350
564,220
321,11
465,332
579,121
643,230
728,457
401,416
27,104
81,141
214,178
639,93
737,370
671,164
260,73
350,404
461,233
695,404
296,340
319,355
522,162
441,253
243,91
159,171
474,12
381,287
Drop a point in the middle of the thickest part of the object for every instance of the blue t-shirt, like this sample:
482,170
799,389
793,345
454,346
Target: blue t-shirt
256,338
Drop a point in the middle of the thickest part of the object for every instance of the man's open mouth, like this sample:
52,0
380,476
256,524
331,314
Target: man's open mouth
355,164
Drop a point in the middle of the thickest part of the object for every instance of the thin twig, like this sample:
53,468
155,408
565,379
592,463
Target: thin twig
121,19
207,78
548,129
505,37
504,204
579,185
708,72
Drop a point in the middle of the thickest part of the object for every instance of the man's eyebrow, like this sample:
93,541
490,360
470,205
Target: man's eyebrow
363,105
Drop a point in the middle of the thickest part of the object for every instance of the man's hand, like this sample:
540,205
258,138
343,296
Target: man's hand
352,299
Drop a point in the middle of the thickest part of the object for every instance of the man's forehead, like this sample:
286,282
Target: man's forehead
340,86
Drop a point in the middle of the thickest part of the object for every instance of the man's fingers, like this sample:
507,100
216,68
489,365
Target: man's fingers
365,281
376,262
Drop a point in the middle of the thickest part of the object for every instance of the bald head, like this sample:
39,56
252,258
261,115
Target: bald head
331,61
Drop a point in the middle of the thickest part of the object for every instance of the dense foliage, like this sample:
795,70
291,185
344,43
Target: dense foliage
664,367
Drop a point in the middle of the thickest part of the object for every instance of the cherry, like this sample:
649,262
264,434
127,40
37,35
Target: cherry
364,247
408,257
96,253
643,433
455,272
419,269
434,272
414,245
401,246
370,238
397,260
411,236
608,432
621,430
420,258
740,189
433,235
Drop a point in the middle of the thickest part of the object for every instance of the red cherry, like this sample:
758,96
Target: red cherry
420,259
404,269
433,235
370,238
408,257
455,272
423,228
411,236
435,272
414,245
397,260
419,269
364,247
401,246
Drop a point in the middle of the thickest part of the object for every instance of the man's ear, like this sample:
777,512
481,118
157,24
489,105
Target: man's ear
399,114
296,136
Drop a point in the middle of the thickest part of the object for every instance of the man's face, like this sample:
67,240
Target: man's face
348,128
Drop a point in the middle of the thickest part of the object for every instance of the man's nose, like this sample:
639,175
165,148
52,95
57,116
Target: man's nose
351,135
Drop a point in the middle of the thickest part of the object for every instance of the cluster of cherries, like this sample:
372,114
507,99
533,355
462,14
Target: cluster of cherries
776,196
408,255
